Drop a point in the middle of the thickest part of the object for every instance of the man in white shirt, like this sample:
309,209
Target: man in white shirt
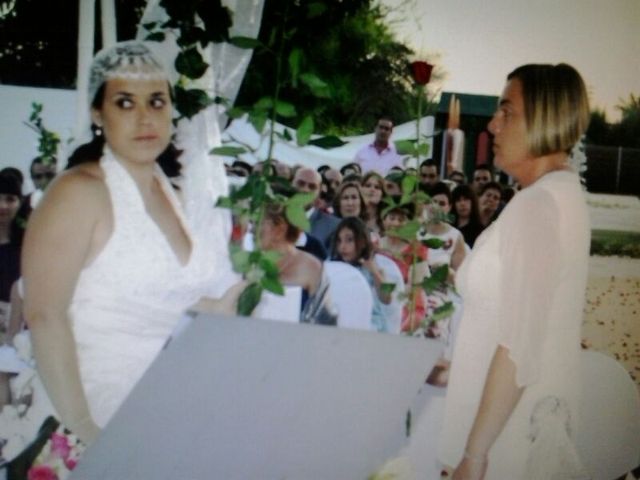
380,155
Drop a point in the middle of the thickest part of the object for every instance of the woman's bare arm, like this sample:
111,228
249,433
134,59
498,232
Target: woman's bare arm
59,240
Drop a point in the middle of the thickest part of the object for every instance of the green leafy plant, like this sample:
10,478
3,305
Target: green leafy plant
48,141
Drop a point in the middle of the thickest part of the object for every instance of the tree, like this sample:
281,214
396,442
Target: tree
349,47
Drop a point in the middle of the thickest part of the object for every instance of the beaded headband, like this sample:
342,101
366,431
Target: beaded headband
131,60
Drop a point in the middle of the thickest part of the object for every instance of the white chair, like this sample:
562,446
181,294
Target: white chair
284,308
350,294
392,274
609,438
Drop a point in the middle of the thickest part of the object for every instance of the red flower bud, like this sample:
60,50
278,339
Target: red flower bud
421,72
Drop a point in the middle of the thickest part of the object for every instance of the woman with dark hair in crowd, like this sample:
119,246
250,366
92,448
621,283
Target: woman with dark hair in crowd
351,244
373,190
489,202
466,216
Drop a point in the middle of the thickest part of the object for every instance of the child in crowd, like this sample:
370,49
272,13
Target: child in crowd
353,245
402,253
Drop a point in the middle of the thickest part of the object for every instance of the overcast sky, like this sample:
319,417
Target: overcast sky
479,42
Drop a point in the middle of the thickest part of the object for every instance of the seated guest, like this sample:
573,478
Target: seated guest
373,190
482,175
466,215
489,202
351,169
296,267
352,245
307,180
333,177
350,202
458,177
393,182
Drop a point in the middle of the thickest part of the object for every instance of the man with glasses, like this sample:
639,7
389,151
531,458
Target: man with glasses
380,155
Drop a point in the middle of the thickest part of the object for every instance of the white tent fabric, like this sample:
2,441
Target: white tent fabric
241,133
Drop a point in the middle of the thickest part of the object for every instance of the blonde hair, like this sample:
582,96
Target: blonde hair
556,107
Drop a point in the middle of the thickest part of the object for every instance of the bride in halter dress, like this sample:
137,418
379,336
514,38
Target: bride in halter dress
111,259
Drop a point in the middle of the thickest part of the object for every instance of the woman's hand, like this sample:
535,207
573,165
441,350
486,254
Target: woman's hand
470,469
226,305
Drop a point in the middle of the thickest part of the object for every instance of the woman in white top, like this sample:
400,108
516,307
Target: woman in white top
110,260
511,402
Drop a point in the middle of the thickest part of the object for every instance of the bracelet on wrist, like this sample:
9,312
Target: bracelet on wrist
475,458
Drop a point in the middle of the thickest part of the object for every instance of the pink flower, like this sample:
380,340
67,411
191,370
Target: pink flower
41,472
60,445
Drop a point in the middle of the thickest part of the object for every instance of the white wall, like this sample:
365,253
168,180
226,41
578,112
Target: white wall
19,143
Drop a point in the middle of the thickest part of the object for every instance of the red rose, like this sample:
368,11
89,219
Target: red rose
421,72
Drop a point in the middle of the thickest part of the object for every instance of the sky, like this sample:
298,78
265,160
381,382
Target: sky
477,43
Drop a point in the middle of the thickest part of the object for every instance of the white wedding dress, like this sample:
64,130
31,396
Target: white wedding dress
129,299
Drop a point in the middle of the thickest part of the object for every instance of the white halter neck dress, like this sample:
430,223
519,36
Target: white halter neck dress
129,299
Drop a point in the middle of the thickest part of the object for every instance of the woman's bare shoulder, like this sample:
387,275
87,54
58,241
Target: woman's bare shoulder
79,189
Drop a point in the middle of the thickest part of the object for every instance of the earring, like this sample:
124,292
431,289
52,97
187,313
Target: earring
98,131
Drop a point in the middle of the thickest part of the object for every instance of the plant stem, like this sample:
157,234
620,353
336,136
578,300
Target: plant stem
414,249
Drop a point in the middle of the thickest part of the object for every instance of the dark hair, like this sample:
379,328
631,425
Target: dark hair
440,188
484,166
92,151
364,247
15,172
10,185
465,191
352,165
407,209
491,186
429,162
323,168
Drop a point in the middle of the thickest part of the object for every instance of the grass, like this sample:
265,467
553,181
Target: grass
615,243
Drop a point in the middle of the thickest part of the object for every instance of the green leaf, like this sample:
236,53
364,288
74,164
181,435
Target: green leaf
318,87
239,258
265,103
442,312
295,59
423,149
304,131
315,9
434,243
245,42
295,210
224,202
387,288
190,63
273,285
190,102
258,120
407,232
149,26
285,109
236,112
286,134
327,142
249,299
228,151
156,37
408,185
437,280
405,147
269,264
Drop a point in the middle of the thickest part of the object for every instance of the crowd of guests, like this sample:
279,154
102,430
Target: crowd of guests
364,209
